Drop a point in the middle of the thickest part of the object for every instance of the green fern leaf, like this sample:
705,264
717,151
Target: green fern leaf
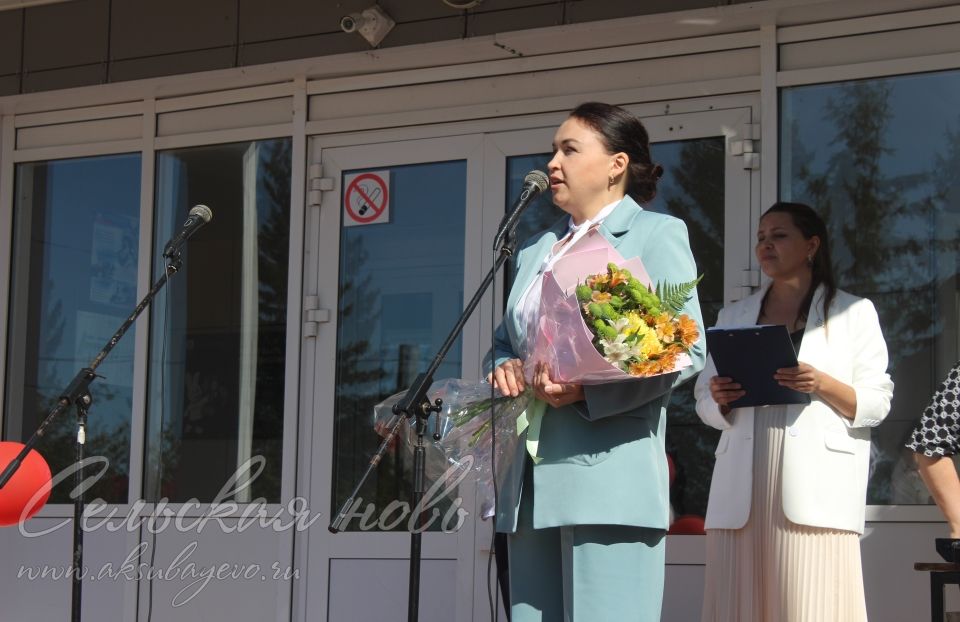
674,295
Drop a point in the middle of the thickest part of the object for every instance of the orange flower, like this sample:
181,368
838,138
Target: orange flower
617,278
597,279
689,333
664,363
643,368
667,361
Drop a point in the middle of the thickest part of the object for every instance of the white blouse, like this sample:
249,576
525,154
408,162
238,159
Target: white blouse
529,305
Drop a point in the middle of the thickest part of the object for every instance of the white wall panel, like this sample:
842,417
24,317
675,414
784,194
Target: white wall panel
539,85
895,591
100,130
48,598
255,593
870,47
247,114
682,593
384,584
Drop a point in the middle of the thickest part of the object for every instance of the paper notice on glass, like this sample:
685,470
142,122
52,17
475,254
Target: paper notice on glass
113,259
751,355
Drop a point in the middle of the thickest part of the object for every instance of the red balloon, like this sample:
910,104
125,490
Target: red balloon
688,524
32,477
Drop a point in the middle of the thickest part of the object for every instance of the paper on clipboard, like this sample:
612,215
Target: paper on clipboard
751,355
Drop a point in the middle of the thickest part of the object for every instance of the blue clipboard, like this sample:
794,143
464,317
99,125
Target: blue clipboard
751,355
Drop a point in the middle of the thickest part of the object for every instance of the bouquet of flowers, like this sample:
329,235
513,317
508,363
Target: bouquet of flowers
601,320
636,329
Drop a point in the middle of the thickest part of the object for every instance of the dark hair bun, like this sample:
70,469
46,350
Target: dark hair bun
622,132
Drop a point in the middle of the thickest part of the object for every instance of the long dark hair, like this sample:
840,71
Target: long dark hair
810,224
623,132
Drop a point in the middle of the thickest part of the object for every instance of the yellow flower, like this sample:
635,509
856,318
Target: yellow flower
600,296
634,323
665,328
650,346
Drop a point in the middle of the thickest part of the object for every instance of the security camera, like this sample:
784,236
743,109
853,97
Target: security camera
372,24
350,23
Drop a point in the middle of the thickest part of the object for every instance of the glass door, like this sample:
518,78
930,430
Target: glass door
394,256
397,240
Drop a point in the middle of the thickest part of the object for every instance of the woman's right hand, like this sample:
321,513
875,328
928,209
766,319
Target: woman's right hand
508,377
724,390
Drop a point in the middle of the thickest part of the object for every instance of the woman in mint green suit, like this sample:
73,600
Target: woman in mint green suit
587,522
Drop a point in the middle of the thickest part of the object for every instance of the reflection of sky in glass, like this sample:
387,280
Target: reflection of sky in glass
879,159
412,269
85,229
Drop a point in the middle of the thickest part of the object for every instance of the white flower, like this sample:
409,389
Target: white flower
617,351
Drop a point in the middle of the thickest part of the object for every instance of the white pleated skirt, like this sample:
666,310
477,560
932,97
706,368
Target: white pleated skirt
773,570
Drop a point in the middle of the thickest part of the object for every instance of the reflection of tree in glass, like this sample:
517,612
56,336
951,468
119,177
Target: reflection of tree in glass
880,234
887,232
700,178
59,449
539,216
359,373
700,205
169,449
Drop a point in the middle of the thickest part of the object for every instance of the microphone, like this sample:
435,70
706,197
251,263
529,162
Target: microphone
533,184
199,216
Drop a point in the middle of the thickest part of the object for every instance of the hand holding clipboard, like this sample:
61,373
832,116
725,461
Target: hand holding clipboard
751,356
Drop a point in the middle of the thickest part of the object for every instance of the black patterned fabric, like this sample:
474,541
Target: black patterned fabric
938,431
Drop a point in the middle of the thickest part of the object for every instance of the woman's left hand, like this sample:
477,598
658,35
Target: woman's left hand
804,378
555,394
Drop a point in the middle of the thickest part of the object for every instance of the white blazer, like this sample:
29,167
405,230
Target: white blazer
825,455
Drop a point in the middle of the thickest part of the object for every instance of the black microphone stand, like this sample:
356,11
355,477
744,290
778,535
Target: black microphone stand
416,404
77,394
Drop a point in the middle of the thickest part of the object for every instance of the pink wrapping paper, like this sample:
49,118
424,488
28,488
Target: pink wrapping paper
562,341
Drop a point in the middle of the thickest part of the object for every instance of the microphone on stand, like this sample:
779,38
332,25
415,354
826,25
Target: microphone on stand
533,184
199,216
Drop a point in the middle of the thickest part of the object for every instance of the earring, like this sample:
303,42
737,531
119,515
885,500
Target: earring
809,260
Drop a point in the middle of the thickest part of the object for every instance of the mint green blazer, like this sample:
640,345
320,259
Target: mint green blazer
603,459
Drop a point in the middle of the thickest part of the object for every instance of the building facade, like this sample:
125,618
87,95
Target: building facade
356,191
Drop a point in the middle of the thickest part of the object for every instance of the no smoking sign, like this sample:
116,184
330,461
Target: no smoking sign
366,198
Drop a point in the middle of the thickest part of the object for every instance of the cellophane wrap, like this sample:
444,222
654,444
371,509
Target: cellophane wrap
466,439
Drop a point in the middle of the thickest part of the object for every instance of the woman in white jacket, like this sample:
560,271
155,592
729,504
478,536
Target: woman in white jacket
789,487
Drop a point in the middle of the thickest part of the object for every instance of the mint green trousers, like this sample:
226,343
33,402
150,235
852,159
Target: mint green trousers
584,573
